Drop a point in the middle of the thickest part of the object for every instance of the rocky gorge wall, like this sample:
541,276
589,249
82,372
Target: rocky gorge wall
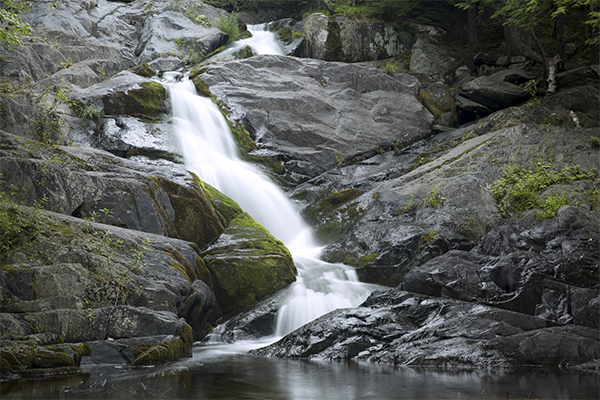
112,253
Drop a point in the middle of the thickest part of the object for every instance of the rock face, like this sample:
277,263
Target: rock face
314,115
341,39
112,253
497,307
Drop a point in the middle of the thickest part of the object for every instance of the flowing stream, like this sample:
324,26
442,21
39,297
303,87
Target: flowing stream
220,371
210,152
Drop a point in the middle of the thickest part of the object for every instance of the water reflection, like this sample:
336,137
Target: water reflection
222,372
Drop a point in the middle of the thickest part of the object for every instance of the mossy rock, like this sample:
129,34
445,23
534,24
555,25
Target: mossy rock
195,218
20,357
247,264
440,102
144,70
149,101
170,349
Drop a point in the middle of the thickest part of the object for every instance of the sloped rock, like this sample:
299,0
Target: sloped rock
431,61
162,33
496,91
309,112
406,329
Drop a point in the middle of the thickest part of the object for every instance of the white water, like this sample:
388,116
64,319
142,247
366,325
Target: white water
210,152
261,42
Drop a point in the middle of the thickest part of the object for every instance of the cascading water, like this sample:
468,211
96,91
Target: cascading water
262,42
210,152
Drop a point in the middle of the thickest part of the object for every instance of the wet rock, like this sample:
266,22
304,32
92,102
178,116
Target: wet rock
407,329
313,115
247,264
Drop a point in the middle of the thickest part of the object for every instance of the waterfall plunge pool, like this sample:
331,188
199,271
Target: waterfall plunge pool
226,372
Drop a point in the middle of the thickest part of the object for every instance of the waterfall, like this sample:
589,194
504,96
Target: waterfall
210,152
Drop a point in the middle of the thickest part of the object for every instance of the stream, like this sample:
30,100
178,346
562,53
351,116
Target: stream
226,371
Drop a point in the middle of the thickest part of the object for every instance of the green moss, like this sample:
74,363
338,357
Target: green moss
519,188
334,43
226,208
249,266
144,70
24,356
439,105
18,226
171,349
300,195
330,203
195,218
148,101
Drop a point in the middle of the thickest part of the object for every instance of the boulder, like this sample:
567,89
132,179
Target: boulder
407,329
497,91
171,33
341,39
315,115
430,61
247,264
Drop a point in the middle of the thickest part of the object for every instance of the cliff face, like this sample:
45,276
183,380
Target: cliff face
111,252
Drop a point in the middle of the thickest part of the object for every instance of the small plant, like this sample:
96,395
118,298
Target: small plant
595,142
102,72
196,56
136,266
339,159
229,25
531,89
67,63
552,204
519,188
50,123
434,198
430,236
390,67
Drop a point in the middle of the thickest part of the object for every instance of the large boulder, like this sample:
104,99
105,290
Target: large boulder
315,115
341,39
407,329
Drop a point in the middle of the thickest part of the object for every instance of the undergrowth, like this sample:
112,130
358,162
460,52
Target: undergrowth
519,188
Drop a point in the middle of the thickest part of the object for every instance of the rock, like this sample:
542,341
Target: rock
406,329
583,100
247,264
172,33
431,61
495,92
438,99
319,111
341,39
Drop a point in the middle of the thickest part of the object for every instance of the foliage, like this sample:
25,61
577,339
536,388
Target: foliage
339,159
11,25
390,67
434,198
519,188
595,142
49,124
552,204
430,236
229,25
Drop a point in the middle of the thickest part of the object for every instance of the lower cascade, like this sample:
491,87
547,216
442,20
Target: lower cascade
210,152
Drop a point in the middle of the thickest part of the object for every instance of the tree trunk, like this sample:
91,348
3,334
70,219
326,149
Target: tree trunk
472,26
515,45
328,7
559,32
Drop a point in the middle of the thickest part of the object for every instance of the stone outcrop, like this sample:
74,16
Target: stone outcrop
313,115
341,39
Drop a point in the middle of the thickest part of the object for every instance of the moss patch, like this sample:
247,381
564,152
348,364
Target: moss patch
170,349
148,101
247,264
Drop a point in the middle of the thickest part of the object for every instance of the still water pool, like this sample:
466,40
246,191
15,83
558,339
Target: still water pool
226,372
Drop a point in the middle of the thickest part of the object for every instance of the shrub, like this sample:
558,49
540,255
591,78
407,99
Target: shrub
229,25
